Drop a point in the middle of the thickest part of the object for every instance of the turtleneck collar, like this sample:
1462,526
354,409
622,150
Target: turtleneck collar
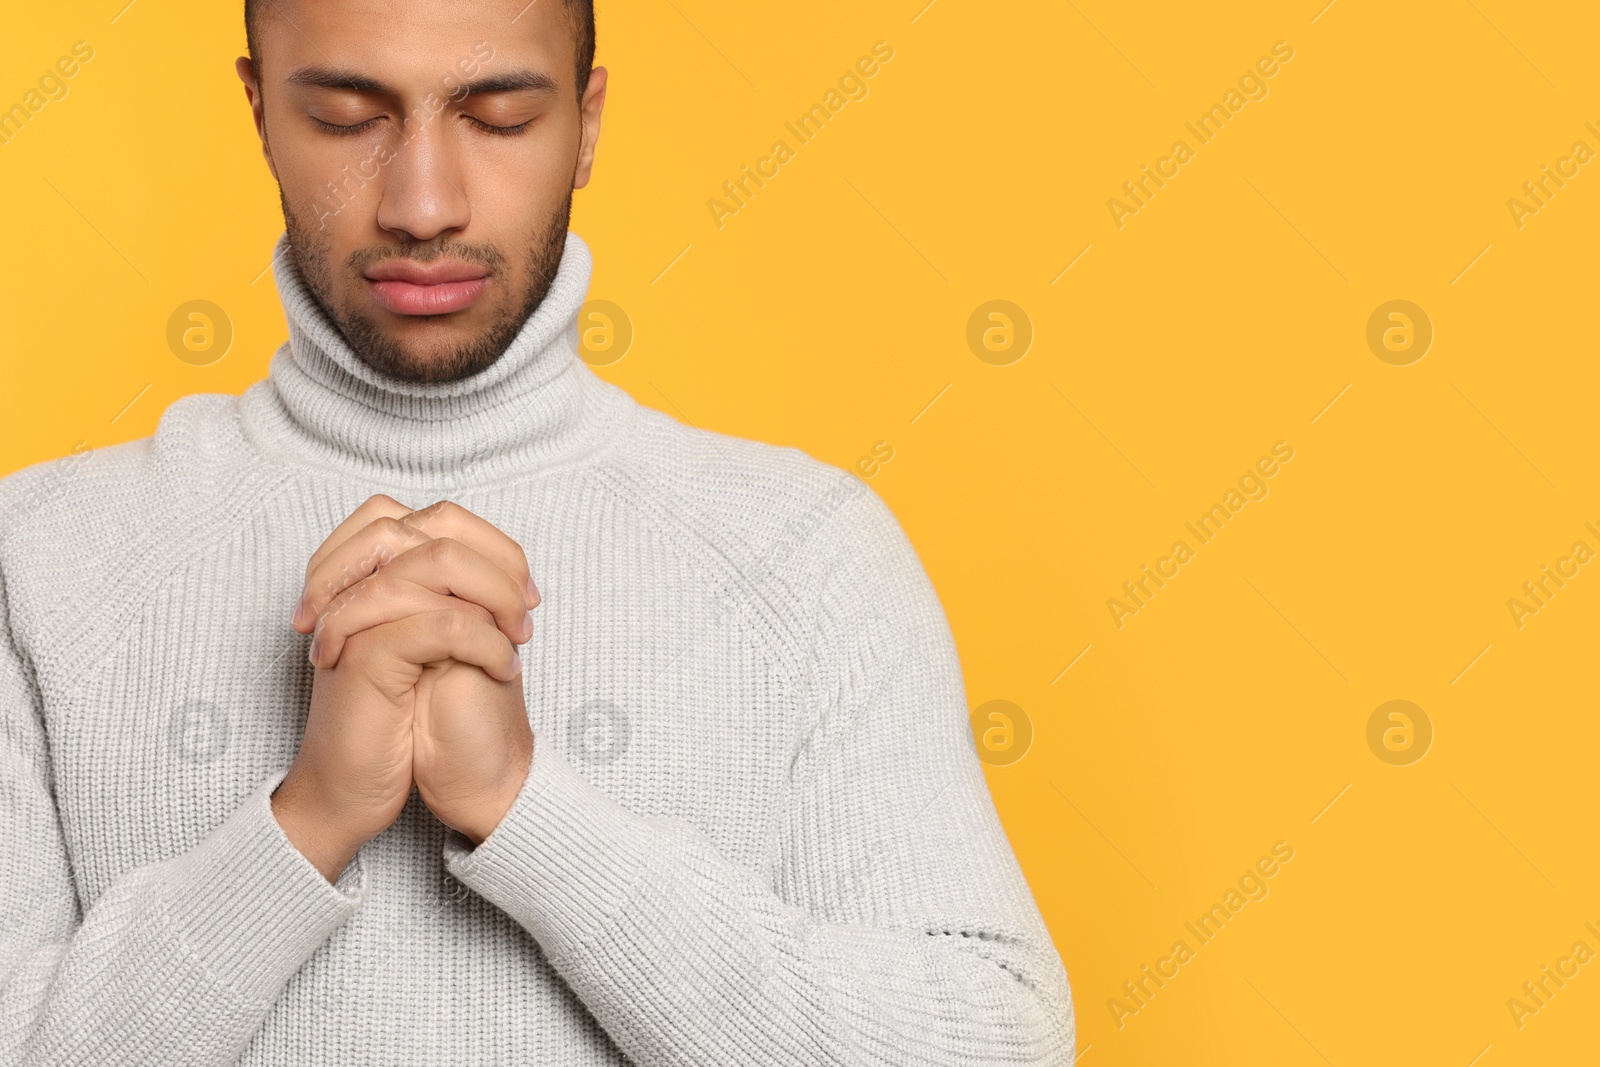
537,405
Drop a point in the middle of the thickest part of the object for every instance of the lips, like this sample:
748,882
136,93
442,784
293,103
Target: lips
408,288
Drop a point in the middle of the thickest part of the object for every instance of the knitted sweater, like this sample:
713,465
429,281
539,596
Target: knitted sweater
755,829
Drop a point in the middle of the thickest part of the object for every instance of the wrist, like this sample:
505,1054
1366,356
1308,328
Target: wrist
317,838
482,823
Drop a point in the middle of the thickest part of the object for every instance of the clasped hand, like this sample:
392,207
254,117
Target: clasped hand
415,617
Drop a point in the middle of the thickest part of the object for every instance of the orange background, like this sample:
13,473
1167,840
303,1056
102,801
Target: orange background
1230,312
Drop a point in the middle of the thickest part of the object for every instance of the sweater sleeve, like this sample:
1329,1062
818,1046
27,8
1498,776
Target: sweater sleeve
897,927
177,961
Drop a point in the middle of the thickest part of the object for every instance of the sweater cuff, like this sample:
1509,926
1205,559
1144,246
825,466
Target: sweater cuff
564,858
251,907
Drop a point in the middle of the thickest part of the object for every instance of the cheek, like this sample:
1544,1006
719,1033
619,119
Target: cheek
518,186
327,183
319,219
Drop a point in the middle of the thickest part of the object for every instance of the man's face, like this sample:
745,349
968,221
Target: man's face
430,227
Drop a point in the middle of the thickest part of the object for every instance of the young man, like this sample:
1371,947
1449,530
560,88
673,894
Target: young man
724,808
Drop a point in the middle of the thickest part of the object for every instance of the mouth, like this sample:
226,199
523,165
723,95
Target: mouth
407,288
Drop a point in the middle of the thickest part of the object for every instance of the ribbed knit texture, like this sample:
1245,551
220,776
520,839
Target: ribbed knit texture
754,831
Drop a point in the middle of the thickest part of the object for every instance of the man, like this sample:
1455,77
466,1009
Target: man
723,808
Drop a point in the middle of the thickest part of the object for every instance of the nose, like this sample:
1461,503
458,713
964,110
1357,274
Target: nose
422,190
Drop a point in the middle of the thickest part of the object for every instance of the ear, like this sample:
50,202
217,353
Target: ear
594,101
252,93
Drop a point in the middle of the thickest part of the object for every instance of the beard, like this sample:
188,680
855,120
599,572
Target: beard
383,353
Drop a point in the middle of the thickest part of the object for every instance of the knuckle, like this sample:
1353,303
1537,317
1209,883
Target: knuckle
331,632
323,591
445,551
388,528
336,604
380,587
439,510
326,584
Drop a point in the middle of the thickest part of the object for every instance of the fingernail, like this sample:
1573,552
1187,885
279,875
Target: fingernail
299,610
316,646
516,664
527,623
531,590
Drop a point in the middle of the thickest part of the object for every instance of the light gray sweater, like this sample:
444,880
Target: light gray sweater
755,829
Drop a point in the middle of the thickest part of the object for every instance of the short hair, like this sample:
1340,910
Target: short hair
580,16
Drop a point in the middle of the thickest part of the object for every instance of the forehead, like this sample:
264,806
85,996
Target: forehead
400,42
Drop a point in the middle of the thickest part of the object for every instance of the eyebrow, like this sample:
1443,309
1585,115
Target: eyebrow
509,82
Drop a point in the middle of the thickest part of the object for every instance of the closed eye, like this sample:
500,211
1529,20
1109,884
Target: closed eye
342,131
488,127
501,131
